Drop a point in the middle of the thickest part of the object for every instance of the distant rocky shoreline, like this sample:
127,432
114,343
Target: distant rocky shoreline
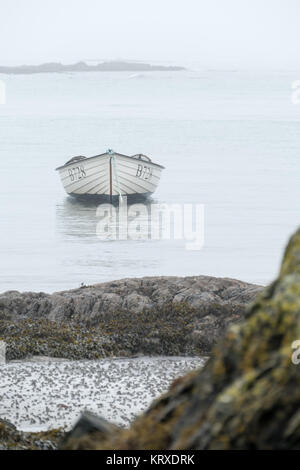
147,316
111,66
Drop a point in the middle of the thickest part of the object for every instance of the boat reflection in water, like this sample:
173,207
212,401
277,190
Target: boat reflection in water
137,218
88,250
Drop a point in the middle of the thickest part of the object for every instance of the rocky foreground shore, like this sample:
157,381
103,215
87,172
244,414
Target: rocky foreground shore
246,396
149,316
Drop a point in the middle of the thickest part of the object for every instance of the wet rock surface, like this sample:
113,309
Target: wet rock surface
248,394
159,315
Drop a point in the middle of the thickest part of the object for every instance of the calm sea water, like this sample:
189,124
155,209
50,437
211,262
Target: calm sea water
228,140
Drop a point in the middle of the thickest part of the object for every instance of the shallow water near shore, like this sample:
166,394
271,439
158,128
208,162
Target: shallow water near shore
228,140
46,393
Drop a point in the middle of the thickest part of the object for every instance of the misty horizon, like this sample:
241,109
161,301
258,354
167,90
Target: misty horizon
190,66
231,34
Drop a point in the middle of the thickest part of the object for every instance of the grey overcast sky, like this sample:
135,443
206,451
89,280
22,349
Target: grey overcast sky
213,33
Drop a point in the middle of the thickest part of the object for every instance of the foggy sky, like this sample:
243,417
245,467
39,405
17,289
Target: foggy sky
212,33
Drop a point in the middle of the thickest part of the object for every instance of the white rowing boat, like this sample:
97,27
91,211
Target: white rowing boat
111,175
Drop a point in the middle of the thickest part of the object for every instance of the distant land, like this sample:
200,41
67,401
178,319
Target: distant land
113,66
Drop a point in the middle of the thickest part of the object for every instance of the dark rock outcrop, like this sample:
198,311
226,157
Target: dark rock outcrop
248,394
164,315
88,427
12,439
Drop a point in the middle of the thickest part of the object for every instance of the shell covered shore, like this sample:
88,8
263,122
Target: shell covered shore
91,326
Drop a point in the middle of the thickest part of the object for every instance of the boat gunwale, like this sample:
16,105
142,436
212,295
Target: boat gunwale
115,153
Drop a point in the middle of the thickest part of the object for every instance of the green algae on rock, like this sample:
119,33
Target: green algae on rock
248,394
41,337
169,329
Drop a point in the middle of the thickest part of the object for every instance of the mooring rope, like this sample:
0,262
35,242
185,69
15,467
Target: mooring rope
114,160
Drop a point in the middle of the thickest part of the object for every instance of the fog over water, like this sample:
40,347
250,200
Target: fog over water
228,140
225,129
214,33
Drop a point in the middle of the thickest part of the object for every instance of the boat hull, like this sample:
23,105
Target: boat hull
109,175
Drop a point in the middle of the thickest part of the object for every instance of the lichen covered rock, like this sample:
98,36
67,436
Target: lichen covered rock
248,394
